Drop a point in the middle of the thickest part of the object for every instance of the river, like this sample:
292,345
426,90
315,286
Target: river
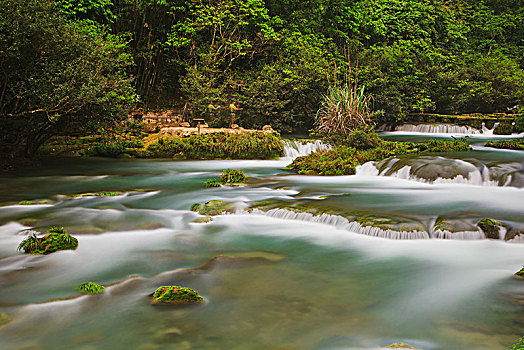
321,281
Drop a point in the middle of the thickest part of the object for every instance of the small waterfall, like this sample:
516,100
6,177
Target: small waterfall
475,176
294,148
342,223
437,129
488,132
464,235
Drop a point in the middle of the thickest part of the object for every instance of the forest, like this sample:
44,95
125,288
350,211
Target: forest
73,66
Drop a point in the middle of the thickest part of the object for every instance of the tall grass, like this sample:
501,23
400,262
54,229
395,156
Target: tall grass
345,108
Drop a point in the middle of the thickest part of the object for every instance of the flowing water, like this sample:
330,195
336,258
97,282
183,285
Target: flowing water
321,279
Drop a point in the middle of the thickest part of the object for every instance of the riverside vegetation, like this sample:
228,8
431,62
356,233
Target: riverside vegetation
361,147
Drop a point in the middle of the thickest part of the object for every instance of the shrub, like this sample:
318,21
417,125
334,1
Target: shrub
103,150
232,176
91,288
363,140
517,144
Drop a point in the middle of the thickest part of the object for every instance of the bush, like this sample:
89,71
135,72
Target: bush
362,140
103,150
517,144
232,176
91,288
257,145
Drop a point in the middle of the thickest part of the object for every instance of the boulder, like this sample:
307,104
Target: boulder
175,295
491,228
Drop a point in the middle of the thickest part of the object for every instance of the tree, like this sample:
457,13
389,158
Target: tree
58,77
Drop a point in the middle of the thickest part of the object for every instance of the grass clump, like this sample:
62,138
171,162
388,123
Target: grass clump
212,183
360,148
107,194
518,345
517,144
256,145
176,295
520,273
32,202
91,288
53,241
232,176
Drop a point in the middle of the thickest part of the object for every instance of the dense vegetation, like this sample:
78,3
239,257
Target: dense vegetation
516,144
71,66
361,147
258,145
57,239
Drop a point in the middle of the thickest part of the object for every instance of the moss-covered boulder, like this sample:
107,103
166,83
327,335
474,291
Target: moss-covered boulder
520,273
57,239
213,207
175,295
91,288
490,227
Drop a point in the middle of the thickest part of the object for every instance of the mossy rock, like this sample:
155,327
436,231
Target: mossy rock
54,241
4,319
203,220
214,207
513,234
175,295
400,346
490,227
91,288
520,273
45,201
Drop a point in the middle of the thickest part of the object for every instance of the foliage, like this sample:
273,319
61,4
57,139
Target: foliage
91,288
362,140
59,77
518,345
520,273
176,295
517,144
55,240
232,176
32,202
212,183
106,150
343,158
56,230
256,145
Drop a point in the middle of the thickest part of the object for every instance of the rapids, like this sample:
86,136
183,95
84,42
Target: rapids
322,278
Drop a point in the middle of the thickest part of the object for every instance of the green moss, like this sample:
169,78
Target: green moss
91,288
50,243
343,159
213,207
107,194
4,319
517,144
490,227
176,295
232,176
33,202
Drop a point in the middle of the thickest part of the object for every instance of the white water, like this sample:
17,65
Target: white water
438,129
294,149
476,177
344,224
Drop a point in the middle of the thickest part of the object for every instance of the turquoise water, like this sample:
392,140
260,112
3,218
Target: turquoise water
321,287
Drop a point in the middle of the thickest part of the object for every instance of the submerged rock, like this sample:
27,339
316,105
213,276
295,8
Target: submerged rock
520,273
214,207
491,228
175,295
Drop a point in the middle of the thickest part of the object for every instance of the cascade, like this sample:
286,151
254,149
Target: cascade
489,132
294,148
437,129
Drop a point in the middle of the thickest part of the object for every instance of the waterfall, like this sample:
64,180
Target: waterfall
297,148
437,129
464,235
342,223
475,176
488,132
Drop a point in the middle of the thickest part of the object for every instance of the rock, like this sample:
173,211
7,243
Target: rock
175,295
491,228
91,288
267,128
513,234
168,334
520,273
400,346
213,207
